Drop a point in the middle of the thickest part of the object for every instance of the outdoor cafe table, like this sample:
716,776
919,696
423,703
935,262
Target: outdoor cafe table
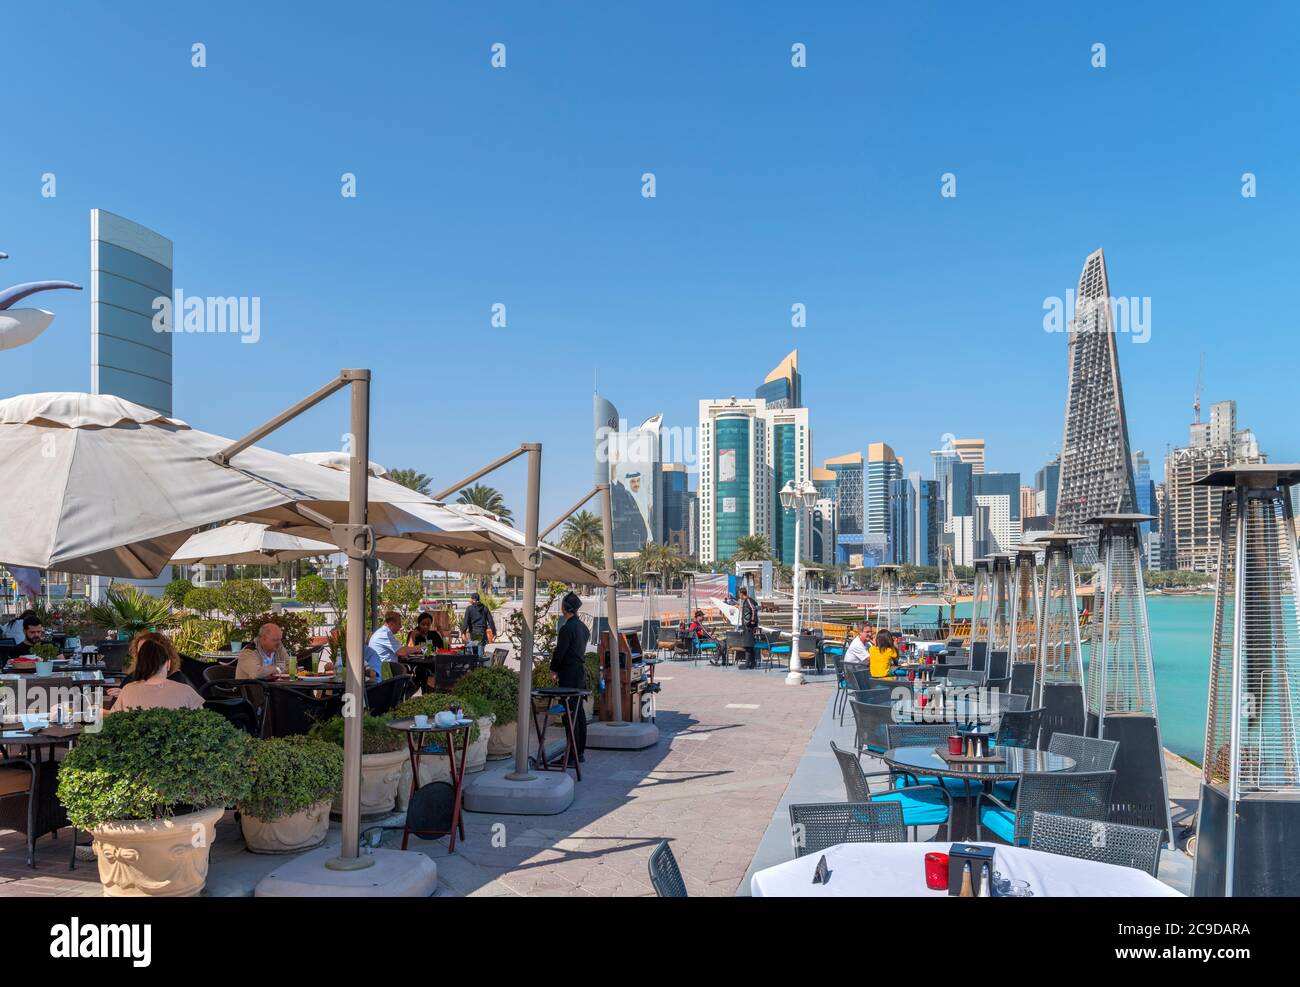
311,683
417,748
923,761
897,870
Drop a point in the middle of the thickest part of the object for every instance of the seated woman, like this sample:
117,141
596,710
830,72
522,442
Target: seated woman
149,686
883,654
424,633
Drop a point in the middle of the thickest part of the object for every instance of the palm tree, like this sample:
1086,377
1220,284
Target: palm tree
584,537
487,498
662,559
751,548
410,479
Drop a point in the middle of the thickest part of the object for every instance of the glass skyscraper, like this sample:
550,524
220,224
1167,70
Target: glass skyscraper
732,487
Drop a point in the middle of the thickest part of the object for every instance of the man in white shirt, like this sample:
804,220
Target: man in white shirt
383,645
859,648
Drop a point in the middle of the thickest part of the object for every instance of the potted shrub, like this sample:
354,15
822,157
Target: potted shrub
293,781
128,610
496,688
436,768
383,752
150,787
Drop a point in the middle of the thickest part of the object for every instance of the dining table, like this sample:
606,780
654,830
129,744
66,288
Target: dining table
897,870
922,762
35,744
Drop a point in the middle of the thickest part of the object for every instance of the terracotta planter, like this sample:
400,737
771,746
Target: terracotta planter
289,834
157,858
380,775
501,741
477,756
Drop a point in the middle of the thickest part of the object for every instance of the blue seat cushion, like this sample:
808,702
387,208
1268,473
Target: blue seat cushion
1004,791
780,649
1000,822
921,806
834,649
955,786
708,646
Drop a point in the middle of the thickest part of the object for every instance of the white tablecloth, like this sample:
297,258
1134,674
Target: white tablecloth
897,870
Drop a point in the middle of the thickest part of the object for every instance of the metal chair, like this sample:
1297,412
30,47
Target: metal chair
870,719
1022,677
498,657
193,669
217,672
383,696
1089,753
1082,794
964,676
841,688
665,875
666,640
815,827
1108,842
1019,728
112,654
923,805
238,712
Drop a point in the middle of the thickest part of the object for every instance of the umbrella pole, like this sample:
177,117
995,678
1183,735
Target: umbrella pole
359,550
530,563
615,684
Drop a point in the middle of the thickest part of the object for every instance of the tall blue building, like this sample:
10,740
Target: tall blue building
850,506
783,387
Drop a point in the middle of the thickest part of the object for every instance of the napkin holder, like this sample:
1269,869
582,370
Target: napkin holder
961,854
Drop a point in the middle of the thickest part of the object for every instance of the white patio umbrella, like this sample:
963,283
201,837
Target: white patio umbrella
336,460
247,543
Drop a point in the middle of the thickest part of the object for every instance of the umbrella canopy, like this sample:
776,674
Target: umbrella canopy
246,543
100,485
336,460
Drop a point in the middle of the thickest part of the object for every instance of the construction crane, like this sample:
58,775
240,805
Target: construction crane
1196,401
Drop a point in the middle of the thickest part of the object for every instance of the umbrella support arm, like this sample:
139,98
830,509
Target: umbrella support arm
344,378
573,510
479,474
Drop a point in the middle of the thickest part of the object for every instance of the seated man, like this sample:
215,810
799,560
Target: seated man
33,634
383,645
858,649
13,629
265,656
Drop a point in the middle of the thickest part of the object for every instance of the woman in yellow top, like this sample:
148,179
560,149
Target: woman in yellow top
883,654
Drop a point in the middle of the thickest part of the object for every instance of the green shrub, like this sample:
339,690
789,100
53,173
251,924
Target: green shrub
289,774
152,764
244,599
436,702
203,599
45,652
295,627
176,591
591,661
194,635
130,610
496,686
376,737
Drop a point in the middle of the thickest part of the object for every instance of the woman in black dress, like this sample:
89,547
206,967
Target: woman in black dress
424,633
569,661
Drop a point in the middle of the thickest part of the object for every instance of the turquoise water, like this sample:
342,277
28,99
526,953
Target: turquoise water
1180,642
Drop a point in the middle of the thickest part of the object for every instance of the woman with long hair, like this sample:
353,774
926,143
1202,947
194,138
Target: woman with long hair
154,658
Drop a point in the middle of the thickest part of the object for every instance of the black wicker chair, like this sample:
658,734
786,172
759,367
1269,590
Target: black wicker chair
1022,677
238,712
815,827
870,719
450,669
383,696
1082,794
113,655
923,805
497,657
1090,839
193,669
665,874
1019,728
292,712
218,672
1089,753
964,676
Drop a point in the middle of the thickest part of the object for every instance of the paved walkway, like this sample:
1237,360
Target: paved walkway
729,742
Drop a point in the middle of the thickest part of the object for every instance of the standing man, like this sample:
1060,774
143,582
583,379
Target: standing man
569,661
478,624
748,626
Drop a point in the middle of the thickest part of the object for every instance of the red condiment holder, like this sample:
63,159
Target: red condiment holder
936,871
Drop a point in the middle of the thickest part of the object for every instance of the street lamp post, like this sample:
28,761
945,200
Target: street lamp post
798,499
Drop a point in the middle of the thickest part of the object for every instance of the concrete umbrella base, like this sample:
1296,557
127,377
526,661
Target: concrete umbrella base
545,794
394,874
622,736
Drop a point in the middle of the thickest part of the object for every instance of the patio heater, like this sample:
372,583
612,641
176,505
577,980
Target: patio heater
1024,620
889,614
979,618
650,614
798,498
999,649
1121,678
1058,681
1250,789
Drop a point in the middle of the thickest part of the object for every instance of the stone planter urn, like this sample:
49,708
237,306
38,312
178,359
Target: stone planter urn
156,858
501,741
477,755
288,834
380,776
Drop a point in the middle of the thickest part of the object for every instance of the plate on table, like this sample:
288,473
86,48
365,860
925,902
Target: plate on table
313,678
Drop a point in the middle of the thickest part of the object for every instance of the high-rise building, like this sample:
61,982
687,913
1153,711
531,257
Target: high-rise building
789,446
676,513
970,451
1190,518
782,388
823,531
999,495
1096,464
915,520
130,267
735,490
1046,482
850,506
882,466
1028,502
604,424
636,484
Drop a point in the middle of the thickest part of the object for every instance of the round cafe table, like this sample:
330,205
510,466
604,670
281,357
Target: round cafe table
417,748
923,762
897,870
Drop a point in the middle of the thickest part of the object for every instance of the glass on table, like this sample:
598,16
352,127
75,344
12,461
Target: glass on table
936,871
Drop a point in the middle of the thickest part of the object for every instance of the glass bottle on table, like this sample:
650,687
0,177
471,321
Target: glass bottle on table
966,890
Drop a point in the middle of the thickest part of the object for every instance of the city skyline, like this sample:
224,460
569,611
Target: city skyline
505,196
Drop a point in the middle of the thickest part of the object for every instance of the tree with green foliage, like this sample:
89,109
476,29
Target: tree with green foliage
410,479
244,599
584,537
488,499
403,594
176,591
203,599
751,548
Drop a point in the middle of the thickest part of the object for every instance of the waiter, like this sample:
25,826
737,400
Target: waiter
478,624
569,661
748,626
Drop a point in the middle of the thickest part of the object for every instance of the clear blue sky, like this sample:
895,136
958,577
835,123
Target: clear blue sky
775,186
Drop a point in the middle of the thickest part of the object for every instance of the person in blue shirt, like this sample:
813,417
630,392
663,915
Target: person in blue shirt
383,645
